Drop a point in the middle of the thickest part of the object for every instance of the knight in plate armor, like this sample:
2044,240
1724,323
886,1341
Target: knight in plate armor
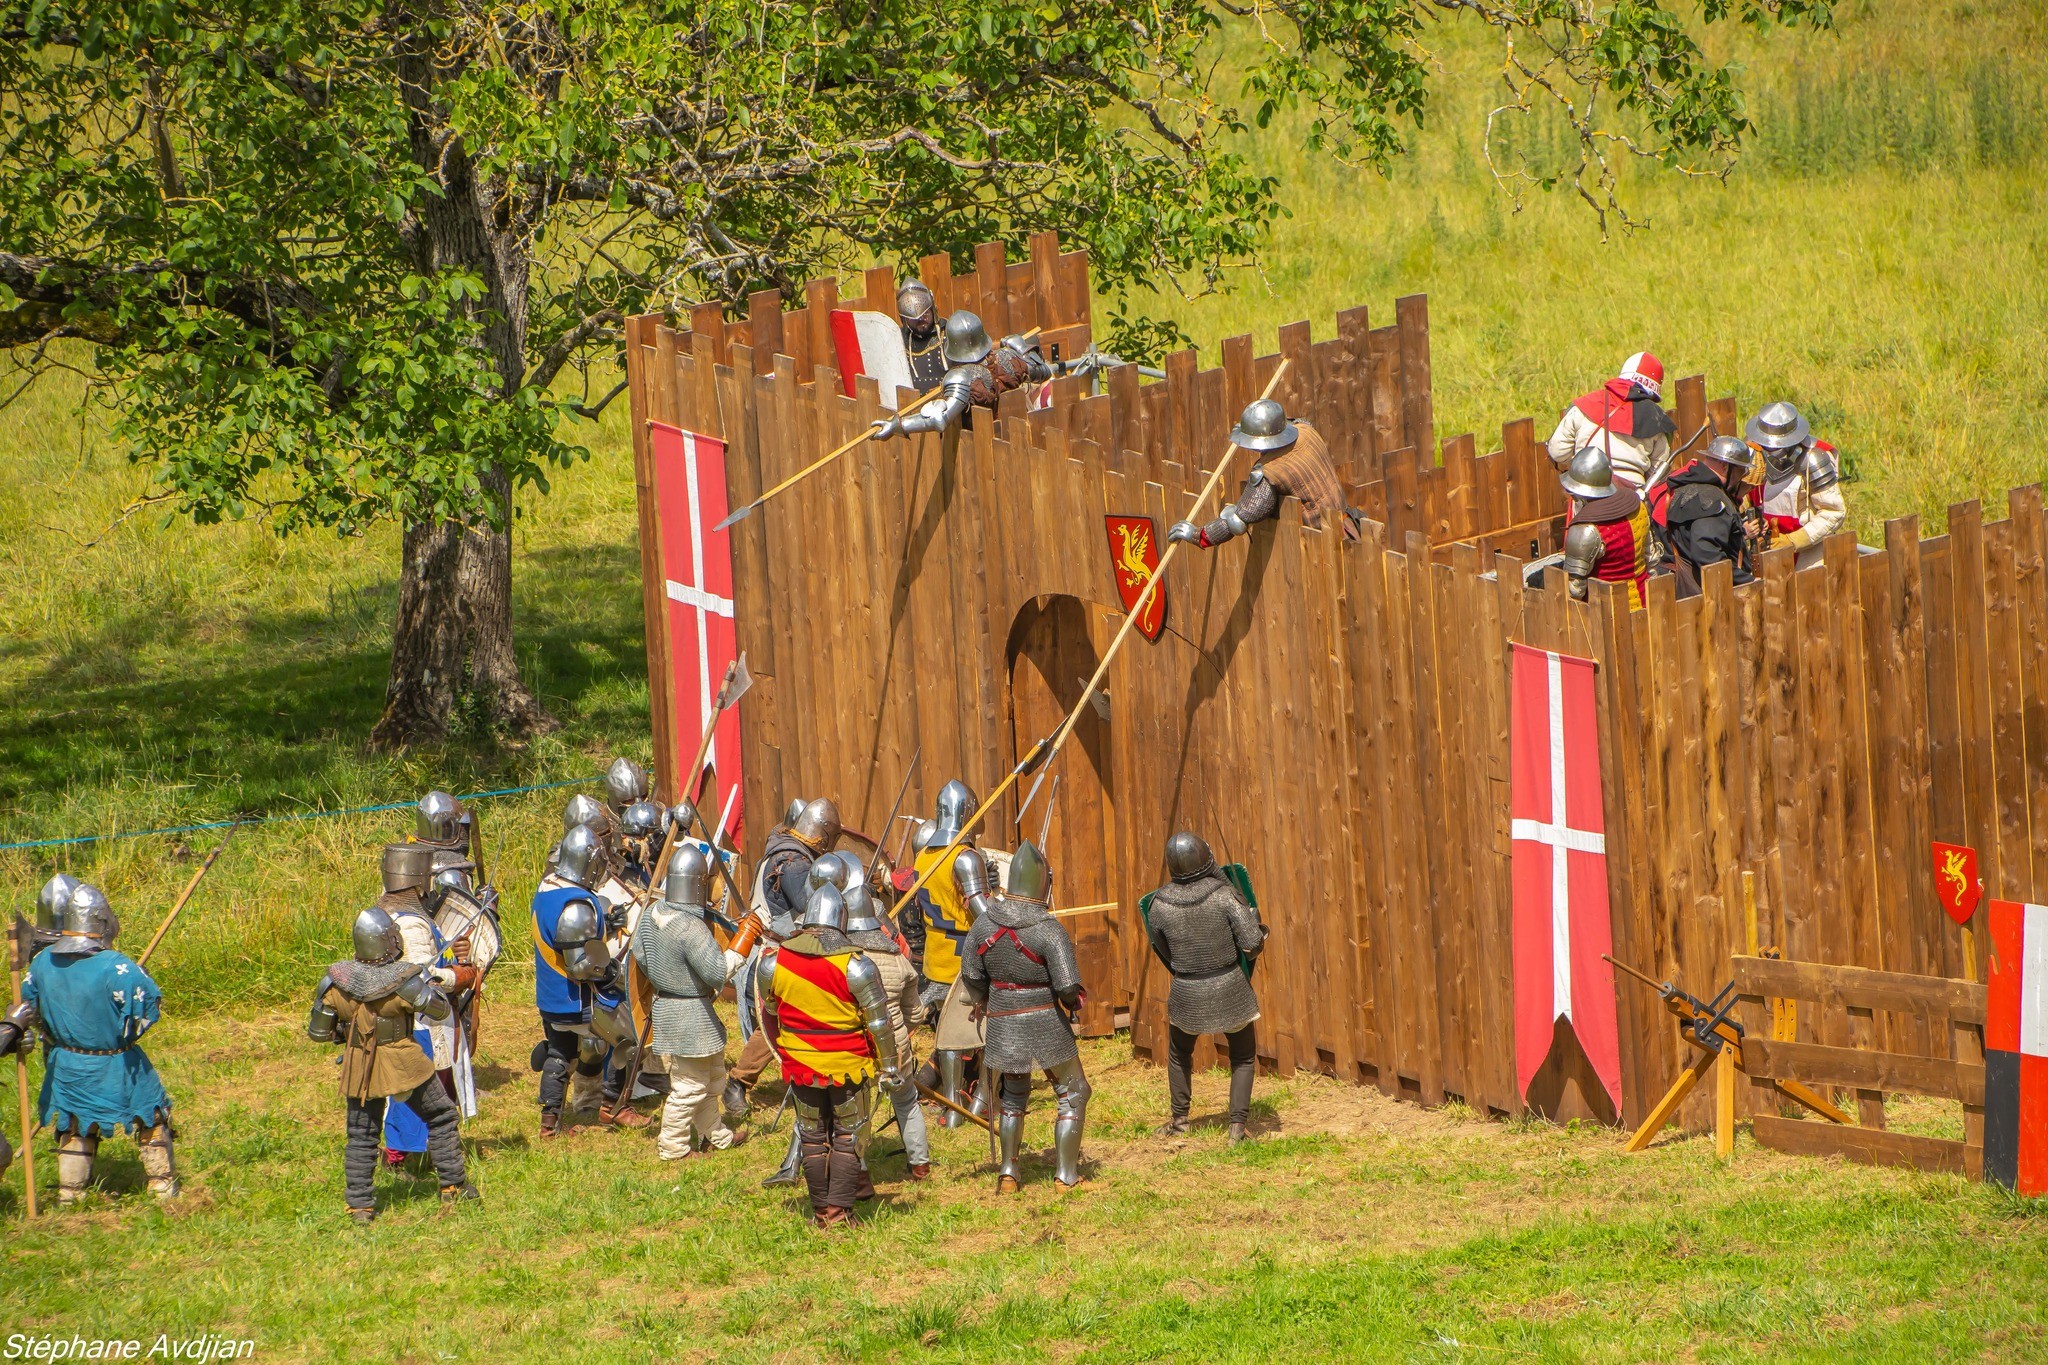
624,783
92,1004
369,1005
643,828
444,822
823,1006
410,898
572,963
1205,934
1607,529
923,339
979,373
1800,494
1292,459
1020,971
809,829
951,900
676,952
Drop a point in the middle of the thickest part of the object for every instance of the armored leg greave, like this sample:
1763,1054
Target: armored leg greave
952,1069
1016,1094
158,1162
555,1066
1070,1084
917,1148
787,1173
75,1153
828,1122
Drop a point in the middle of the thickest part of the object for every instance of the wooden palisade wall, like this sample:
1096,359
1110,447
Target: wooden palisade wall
1337,716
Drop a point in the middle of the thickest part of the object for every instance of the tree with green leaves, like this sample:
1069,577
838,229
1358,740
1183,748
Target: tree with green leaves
334,261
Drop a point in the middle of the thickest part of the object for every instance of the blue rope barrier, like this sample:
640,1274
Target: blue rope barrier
281,819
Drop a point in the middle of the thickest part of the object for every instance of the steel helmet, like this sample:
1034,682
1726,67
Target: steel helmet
584,859
642,819
1589,475
1029,877
625,782
51,900
689,877
825,909
966,340
818,826
407,866
915,304
1263,427
377,940
440,818
1778,427
1188,857
1732,451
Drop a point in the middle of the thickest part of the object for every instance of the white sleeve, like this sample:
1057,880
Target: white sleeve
1566,439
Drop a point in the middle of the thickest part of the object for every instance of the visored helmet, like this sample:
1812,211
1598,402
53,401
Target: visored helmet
689,877
642,820
916,306
1188,856
440,818
818,826
956,803
1030,876
51,900
587,810
86,924
377,940
624,783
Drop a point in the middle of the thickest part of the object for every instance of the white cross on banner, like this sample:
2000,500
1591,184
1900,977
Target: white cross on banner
1561,924
696,568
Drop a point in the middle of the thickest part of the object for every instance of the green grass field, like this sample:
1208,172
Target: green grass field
1878,257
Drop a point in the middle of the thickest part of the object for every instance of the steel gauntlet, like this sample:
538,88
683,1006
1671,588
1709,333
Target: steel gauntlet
17,1027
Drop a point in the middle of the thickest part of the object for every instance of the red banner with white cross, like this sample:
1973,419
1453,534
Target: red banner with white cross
1561,924
696,574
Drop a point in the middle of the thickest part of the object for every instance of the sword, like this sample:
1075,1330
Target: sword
901,792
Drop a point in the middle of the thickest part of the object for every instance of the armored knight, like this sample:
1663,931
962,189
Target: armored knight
643,826
1021,974
980,374
1205,935
410,898
778,899
369,1005
951,901
572,960
1801,492
445,823
1292,458
824,1007
681,959
1607,530
922,343
92,1004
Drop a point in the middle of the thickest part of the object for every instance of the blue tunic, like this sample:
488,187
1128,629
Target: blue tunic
94,1006
561,1001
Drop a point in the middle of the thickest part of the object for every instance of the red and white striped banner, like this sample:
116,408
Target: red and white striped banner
696,572
2016,1048
1561,925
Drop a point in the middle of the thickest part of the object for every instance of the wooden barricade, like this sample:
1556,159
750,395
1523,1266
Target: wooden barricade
1335,715
1855,996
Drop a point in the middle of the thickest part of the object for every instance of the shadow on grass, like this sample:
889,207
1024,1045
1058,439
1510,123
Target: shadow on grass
272,713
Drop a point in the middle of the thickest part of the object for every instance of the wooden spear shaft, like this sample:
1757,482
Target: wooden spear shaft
183,896
28,1128
1043,751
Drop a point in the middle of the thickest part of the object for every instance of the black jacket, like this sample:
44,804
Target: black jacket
1703,523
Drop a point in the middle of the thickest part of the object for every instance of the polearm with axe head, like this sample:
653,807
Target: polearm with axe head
877,429
1043,751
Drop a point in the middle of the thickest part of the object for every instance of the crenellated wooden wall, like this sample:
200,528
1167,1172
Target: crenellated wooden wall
1336,716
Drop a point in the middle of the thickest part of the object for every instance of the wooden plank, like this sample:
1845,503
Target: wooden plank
653,595
1819,1064
1720,779
1947,810
992,280
1647,1047
1349,381
1384,349
1859,926
1908,913
937,273
1836,987
1418,420
1528,472
1871,1147
2030,583
1973,696
2008,716
764,328
1825,927
820,298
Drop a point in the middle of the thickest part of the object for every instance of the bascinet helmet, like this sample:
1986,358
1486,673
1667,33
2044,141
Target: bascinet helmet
407,866
794,813
587,810
624,783
860,907
1264,426
916,306
440,818
689,877
86,924
584,860
1589,475
1188,856
51,900
642,820
818,826
956,803
827,869
826,909
377,940
966,341
1030,876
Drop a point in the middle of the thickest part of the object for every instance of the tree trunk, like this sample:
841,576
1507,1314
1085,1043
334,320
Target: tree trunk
451,646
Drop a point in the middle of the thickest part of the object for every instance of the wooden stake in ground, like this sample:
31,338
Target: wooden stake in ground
1043,751
183,896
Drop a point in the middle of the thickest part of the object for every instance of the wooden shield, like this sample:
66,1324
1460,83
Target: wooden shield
1955,880
1133,555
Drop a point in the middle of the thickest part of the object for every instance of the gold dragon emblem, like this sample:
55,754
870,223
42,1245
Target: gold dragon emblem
1135,541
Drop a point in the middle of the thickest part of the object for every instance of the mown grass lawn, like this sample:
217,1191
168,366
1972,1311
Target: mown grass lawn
1354,1228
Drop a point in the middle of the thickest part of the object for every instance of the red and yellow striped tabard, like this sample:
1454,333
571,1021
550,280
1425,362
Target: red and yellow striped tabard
819,1036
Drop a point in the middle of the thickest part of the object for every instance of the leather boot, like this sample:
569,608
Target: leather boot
1176,1126
464,1193
621,1115
1007,1184
923,1172
1237,1134
550,1123
832,1216
734,1103
362,1218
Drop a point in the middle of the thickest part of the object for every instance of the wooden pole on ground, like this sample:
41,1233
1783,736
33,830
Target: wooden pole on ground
183,896
1044,751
